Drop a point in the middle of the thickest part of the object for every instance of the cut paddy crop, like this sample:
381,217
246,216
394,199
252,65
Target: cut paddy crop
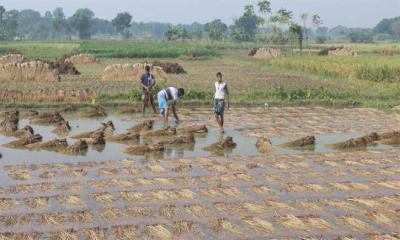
128,232
158,232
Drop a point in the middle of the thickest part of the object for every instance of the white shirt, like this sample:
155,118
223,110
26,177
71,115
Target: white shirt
174,93
221,89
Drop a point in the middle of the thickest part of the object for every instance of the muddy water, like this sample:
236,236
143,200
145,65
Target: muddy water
112,151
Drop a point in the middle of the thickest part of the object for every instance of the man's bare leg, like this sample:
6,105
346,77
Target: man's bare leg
152,104
166,118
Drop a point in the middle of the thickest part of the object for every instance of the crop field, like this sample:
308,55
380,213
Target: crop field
286,194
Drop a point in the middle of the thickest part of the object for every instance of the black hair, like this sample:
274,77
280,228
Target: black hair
147,68
181,92
219,74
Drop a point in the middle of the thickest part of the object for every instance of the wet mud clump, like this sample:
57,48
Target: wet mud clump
223,144
300,143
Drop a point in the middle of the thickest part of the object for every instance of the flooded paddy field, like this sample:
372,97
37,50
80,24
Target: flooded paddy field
186,192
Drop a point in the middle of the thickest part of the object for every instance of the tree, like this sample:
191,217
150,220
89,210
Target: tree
216,29
316,20
264,6
59,23
396,29
245,28
81,21
172,34
282,17
297,33
122,22
304,18
2,11
11,23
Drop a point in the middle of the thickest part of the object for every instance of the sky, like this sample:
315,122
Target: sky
350,13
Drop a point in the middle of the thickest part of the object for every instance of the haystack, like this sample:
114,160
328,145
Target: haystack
360,142
221,145
169,67
143,126
24,141
143,149
82,58
342,51
264,145
268,53
159,132
193,129
52,145
131,72
36,71
12,58
300,143
62,67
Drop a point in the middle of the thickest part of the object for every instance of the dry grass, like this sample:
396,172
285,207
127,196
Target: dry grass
258,224
70,200
76,173
128,232
197,210
94,233
19,175
110,214
355,223
103,198
169,211
63,235
48,174
291,222
39,202
223,224
52,219
131,196
80,217
184,227
158,232
138,211
16,221
7,203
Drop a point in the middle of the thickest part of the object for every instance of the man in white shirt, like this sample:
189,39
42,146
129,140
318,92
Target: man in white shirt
221,92
166,95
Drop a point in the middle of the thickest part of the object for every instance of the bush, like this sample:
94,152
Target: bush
321,40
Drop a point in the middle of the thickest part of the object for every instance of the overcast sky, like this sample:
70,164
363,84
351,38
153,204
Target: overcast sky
352,13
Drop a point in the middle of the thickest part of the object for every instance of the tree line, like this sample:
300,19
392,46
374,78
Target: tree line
257,23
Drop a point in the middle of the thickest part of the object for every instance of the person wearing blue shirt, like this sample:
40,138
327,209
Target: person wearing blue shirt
148,82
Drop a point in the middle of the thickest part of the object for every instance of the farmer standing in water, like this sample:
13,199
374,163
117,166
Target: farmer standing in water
221,91
148,82
163,97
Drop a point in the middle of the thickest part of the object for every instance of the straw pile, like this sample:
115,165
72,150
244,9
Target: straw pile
12,58
342,51
28,71
82,59
130,72
303,142
268,53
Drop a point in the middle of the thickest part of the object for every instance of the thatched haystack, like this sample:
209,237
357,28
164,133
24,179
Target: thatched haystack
169,67
95,112
10,122
52,145
193,129
143,149
82,58
24,141
168,131
12,58
264,145
360,142
143,126
62,129
123,137
48,118
267,53
36,71
130,72
342,51
300,143
78,148
223,144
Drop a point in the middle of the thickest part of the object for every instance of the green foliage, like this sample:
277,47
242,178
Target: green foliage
245,28
216,29
81,22
143,50
122,22
361,36
320,39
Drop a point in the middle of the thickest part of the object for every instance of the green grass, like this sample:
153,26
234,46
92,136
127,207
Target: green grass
144,50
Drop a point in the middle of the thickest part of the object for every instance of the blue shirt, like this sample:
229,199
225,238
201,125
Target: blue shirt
147,79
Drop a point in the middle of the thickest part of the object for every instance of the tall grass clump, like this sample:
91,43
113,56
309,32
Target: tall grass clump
370,68
144,50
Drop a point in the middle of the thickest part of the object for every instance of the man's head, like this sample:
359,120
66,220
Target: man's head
147,68
181,92
219,76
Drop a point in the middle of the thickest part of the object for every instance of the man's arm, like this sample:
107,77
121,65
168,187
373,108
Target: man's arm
227,95
174,110
142,84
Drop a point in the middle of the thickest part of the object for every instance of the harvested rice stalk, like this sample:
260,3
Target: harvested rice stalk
107,128
380,218
128,232
361,142
393,141
39,202
47,118
222,145
111,213
182,168
144,126
94,233
189,139
71,200
24,141
53,145
76,173
10,122
159,132
184,227
27,131
79,148
96,138
291,222
81,217
48,174
316,222
264,145
355,223
223,224
158,231
104,198
258,224
52,218
169,211
63,235
19,175
300,143
156,168
63,128
7,203
138,211
131,196
197,210
108,171
262,190
128,136
16,221
193,129
96,113
131,110
143,149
